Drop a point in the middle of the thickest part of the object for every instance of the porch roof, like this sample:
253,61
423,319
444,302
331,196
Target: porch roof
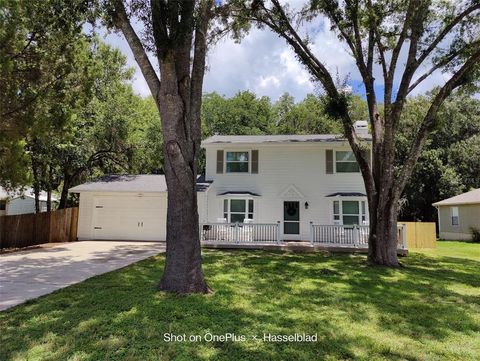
239,193
346,194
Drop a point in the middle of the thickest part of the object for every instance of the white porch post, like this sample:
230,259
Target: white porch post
237,239
404,236
356,236
278,232
311,233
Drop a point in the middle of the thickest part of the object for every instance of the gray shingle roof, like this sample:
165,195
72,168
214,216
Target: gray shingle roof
266,139
471,197
146,183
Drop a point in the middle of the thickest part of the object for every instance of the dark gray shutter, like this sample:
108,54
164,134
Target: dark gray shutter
329,161
219,161
254,161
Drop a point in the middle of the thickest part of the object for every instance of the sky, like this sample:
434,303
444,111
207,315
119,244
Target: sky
263,63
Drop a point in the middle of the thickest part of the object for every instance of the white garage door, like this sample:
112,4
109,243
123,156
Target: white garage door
130,218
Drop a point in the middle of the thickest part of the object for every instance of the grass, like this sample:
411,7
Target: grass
457,249
430,310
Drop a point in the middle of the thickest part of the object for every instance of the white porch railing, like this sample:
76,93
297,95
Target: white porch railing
240,232
349,236
353,236
262,233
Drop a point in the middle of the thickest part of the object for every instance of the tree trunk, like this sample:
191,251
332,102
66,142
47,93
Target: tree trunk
382,248
64,195
49,200
36,191
183,268
36,183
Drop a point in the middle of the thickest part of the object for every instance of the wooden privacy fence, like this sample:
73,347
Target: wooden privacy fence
421,234
31,229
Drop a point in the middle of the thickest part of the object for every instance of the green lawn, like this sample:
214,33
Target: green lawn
429,310
457,249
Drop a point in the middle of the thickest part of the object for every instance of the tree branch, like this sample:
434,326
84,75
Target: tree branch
198,67
440,64
447,30
395,54
122,22
430,121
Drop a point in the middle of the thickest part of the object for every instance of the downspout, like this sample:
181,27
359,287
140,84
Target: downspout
438,218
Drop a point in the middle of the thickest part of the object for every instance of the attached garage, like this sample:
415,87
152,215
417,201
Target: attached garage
132,207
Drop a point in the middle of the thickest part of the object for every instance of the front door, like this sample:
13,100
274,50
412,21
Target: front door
291,220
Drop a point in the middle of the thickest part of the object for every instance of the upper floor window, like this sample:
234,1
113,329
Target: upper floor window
237,162
345,162
237,210
244,161
454,211
349,212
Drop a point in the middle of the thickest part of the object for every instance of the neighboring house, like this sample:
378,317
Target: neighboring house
458,214
22,202
291,180
3,201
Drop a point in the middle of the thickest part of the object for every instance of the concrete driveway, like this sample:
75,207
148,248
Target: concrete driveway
32,273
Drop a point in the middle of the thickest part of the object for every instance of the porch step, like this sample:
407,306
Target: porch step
302,246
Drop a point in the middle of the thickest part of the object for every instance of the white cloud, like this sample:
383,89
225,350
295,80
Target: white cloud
264,64
269,81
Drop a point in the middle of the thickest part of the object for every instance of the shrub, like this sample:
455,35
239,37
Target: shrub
475,234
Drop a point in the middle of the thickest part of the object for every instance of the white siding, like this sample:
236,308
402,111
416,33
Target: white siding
24,206
202,206
85,214
286,172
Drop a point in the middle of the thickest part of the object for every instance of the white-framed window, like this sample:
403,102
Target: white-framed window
345,162
349,212
237,162
236,210
454,215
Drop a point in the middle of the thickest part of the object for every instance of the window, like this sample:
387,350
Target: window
345,162
236,210
349,212
454,212
237,162
3,205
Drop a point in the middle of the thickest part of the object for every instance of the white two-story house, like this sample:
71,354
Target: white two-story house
286,181
293,180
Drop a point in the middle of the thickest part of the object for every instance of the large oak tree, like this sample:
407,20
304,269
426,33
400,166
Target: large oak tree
409,40
175,32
